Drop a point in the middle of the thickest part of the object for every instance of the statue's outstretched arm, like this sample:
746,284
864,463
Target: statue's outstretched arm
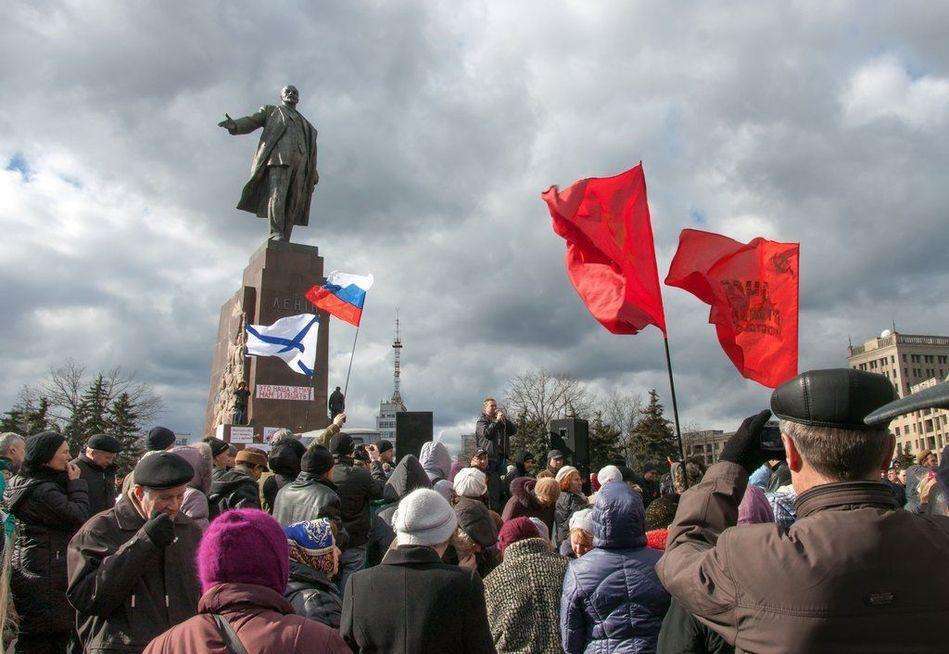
247,124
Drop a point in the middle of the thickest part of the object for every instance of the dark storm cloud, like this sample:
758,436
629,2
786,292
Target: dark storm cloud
439,127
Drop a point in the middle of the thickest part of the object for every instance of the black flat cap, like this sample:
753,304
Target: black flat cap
162,470
104,443
384,445
934,397
217,446
159,438
837,397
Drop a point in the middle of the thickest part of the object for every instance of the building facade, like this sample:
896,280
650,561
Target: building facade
911,362
705,444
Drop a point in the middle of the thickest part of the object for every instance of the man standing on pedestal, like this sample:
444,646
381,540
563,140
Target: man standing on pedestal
492,435
283,173
337,403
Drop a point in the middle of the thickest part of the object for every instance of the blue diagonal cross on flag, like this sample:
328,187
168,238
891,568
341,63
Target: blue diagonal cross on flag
293,339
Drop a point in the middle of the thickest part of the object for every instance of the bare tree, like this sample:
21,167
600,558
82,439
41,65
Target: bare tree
622,411
64,385
541,396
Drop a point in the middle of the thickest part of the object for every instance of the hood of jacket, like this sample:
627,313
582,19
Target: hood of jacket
242,597
618,517
407,476
285,458
20,487
435,459
522,489
202,467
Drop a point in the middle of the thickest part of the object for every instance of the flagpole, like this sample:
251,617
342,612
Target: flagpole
351,355
675,409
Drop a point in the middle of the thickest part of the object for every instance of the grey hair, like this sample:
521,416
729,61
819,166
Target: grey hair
837,453
8,439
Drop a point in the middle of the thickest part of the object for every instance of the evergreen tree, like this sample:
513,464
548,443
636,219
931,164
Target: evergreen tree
652,439
531,436
122,423
37,419
14,420
90,416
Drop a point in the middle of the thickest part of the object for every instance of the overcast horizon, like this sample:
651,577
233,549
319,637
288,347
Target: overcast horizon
439,127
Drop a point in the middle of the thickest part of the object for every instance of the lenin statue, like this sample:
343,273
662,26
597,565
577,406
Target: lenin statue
283,172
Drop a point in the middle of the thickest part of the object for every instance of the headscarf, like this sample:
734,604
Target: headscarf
198,456
311,544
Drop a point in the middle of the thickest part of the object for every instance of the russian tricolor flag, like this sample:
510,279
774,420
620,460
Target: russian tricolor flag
342,295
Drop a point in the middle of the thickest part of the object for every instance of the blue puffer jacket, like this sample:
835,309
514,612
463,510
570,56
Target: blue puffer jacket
612,600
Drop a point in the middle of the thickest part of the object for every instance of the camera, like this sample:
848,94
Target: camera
771,443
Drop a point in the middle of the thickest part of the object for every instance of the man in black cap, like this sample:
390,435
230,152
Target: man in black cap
555,461
387,456
357,488
312,494
131,568
160,438
336,403
97,466
853,573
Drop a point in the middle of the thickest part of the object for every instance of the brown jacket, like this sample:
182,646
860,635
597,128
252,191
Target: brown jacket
853,574
262,619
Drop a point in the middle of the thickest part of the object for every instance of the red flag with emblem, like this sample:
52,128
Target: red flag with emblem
610,255
753,291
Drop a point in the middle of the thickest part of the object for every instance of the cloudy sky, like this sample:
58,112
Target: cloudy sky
440,124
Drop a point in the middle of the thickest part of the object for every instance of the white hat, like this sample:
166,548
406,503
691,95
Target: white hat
424,517
541,528
608,474
564,471
582,519
471,482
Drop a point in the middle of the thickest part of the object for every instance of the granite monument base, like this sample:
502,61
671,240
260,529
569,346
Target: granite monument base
274,284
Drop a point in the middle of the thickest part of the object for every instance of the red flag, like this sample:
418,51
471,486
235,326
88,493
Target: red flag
753,291
610,256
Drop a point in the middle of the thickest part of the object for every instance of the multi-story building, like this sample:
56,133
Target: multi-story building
912,362
706,444
385,421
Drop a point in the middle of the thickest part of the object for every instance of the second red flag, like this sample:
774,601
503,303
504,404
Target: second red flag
753,291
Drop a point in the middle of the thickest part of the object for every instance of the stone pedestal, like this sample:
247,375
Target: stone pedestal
274,284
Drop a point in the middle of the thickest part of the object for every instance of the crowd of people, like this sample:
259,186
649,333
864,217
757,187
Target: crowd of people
339,547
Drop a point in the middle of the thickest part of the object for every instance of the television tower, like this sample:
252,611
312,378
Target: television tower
397,369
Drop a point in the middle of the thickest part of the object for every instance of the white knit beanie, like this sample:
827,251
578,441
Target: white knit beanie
424,517
582,519
471,482
608,474
564,471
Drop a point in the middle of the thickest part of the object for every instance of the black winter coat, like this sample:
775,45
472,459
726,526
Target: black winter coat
313,595
232,489
413,602
567,504
48,509
357,488
125,589
306,498
494,436
284,461
101,482
407,476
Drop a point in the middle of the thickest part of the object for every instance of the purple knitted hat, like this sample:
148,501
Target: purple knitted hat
244,546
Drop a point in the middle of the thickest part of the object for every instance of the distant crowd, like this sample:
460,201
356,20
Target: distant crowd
336,546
